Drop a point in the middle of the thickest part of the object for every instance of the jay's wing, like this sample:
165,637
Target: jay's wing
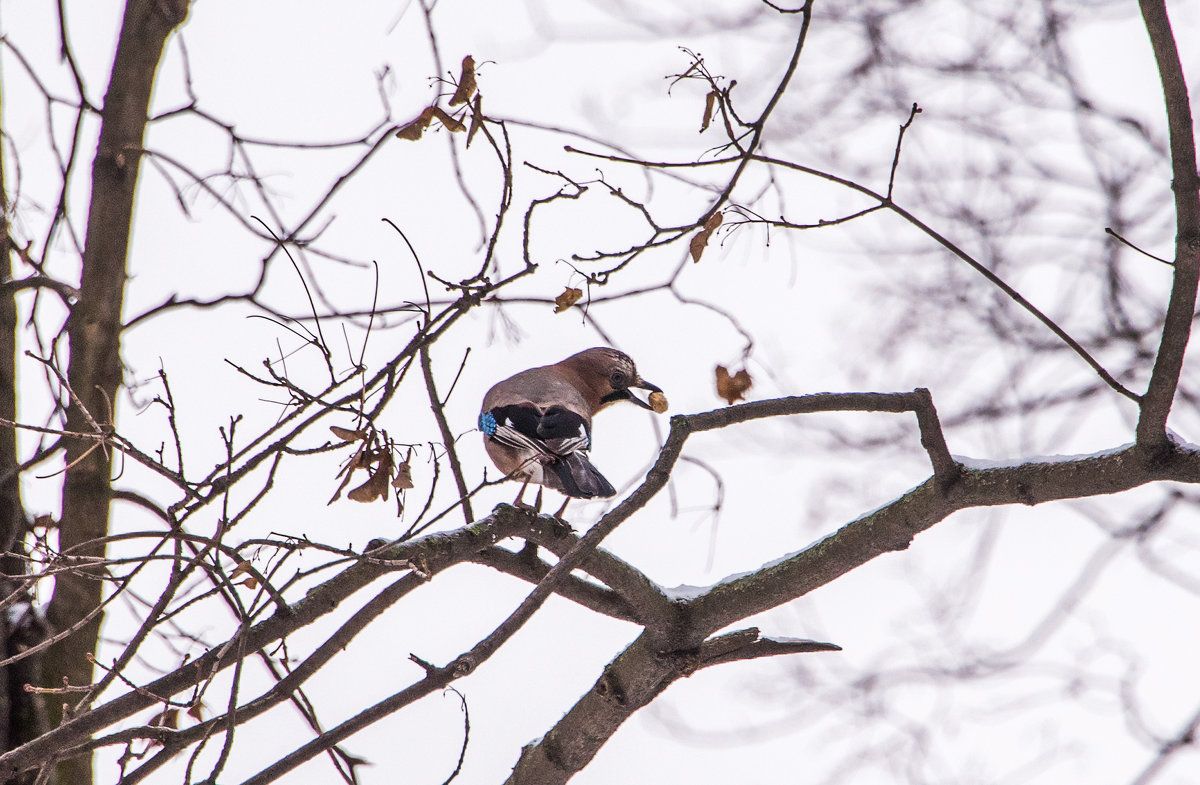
555,432
580,479
556,437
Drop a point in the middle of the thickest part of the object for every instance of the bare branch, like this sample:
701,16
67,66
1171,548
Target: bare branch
1177,326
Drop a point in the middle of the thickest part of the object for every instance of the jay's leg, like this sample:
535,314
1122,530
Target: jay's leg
520,500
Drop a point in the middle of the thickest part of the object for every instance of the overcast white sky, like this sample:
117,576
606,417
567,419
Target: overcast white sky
302,71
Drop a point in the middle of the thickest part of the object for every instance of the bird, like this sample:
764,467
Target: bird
537,424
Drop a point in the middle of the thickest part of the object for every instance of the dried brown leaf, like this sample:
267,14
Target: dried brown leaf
569,297
732,387
413,130
244,569
374,488
403,480
347,434
386,462
710,103
476,118
451,124
466,82
362,459
700,241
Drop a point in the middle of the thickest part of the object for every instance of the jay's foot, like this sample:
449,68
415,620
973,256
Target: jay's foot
561,525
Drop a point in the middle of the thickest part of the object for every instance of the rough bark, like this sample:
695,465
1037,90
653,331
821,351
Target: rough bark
19,720
94,329
1185,183
660,657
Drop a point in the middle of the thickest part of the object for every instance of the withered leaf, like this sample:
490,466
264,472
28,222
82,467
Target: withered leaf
451,124
700,241
732,388
466,82
413,130
386,462
710,103
168,719
569,297
403,480
364,458
196,711
348,435
476,118
376,486
243,568
360,460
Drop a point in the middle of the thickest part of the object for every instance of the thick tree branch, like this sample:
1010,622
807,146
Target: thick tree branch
660,656
650,606
95,333
1177,326
587,594
19,719
751,644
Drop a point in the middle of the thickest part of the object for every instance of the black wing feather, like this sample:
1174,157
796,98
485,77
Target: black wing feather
559,431
561,437
580,478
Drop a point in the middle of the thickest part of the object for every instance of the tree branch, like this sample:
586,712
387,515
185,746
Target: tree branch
95,330
1177,325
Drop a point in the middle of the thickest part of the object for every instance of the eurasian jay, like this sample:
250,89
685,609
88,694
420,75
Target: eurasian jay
537,424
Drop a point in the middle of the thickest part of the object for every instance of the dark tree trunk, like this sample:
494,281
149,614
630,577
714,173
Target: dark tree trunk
94,328
19,627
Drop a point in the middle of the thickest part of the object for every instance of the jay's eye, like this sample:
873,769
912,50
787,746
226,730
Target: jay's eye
617,378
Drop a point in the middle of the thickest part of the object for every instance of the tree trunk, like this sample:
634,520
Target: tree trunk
94,328
19,627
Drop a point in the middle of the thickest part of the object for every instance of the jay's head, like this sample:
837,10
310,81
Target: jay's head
607,376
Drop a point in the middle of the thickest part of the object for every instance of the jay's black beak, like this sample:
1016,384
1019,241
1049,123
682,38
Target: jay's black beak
626,395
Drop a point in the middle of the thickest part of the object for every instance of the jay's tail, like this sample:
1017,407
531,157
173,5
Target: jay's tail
579,478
